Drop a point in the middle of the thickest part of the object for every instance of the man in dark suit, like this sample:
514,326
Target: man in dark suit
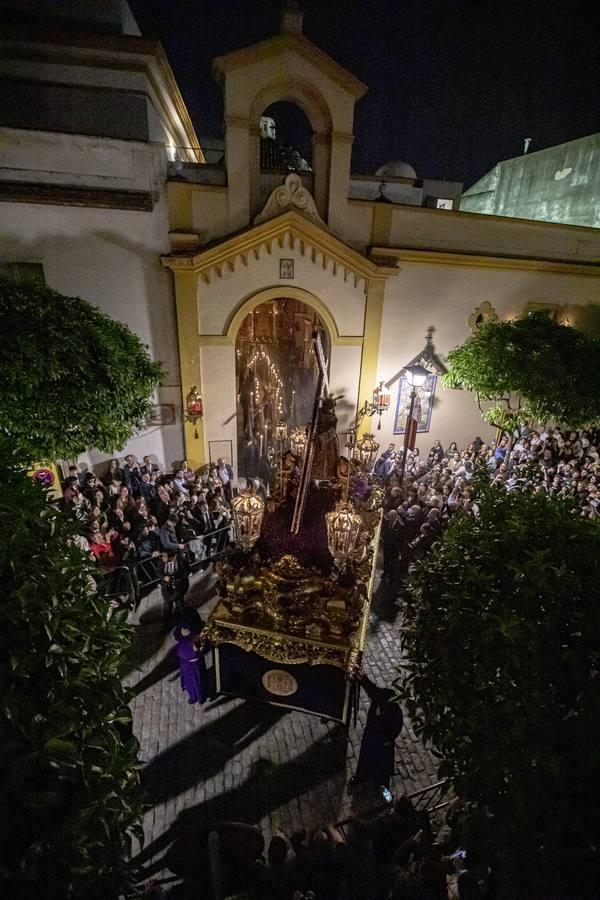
205,525
147,490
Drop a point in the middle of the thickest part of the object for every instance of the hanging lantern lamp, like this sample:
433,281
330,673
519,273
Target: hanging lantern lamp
298,441
366,451
381,401
193,408
343,527
248,511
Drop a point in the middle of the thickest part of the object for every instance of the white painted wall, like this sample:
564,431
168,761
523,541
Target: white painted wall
111,258
219,298
219,394
344,381
444,296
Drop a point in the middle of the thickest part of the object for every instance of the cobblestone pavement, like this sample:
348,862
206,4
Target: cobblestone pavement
248,761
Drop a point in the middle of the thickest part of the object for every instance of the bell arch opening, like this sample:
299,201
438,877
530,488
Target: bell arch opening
301,122
276,376
285,146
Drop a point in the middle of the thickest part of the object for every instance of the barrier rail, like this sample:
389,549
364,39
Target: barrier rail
124,584
432,792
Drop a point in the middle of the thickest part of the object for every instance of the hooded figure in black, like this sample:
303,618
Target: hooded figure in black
384,724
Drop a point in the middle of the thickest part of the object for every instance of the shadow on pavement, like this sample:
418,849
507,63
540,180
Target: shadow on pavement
267,787
203,754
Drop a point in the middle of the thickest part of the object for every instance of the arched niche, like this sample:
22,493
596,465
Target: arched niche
273,293
309,99
276,376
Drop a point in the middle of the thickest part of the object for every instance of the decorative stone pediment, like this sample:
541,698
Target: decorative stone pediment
290,195
287,230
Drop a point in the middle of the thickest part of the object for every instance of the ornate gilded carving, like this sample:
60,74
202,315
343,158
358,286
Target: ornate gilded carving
290,195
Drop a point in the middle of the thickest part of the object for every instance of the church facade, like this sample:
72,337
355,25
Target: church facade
228,270
377,275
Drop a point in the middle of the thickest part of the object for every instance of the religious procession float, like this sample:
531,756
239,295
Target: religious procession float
290,624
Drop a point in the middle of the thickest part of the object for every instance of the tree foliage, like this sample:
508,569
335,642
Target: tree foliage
553,369
72,378
69,786
503,678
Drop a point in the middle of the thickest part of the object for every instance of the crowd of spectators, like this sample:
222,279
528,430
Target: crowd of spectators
400,853
416,508
155,524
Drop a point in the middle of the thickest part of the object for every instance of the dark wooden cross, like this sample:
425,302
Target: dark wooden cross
321,390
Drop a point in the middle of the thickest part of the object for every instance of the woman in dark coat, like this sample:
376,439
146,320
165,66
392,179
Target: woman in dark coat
384,724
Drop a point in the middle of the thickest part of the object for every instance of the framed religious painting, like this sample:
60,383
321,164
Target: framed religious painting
423,404
286,268
160,414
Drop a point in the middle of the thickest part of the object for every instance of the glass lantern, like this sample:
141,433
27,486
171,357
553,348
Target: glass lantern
416,376
193,405
281,432
298,441
248,512
193,408
366,451
343,527
381,398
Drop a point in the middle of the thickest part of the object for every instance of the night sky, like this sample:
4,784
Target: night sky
454,85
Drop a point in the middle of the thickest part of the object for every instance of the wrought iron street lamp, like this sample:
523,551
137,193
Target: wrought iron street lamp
380,404
416,376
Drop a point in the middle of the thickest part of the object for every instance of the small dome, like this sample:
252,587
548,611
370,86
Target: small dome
396,169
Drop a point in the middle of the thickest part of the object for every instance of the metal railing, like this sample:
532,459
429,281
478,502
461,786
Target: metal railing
423,800
123,585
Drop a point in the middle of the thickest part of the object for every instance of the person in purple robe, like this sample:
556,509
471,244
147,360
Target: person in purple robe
192,669
384,724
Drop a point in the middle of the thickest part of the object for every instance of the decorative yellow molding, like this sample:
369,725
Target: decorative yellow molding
189,360
341,137
289,43
482,218
292,227
237,122
469,260
370,354
290,194
274,293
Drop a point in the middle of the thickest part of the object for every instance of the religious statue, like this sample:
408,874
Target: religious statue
327,448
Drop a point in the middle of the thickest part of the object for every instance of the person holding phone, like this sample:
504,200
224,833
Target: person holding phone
384,724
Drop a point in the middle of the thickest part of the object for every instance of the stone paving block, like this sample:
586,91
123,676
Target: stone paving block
290,774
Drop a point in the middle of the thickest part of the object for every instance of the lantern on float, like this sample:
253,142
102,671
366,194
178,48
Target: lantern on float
298,441
365,451
248,511
343,527
193,408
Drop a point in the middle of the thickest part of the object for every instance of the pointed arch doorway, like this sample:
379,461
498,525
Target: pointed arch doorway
275,375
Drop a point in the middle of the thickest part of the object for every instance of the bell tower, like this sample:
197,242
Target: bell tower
289,68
